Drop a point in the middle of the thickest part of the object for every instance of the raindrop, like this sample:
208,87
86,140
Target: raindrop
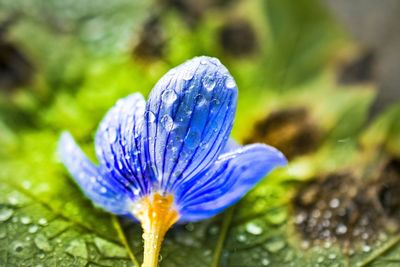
150,116
167,122
277,216
209,82
366,248
25,220
265,262
203,61
332,256
275,245
33,229
200,100
241,238
112,135
254,229
168,97
230,83
341,229
5,214
13,200
160,258
42,221
103,190
42,243
334,203
188,75
18,247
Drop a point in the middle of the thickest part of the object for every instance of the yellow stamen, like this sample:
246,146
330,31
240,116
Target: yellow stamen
156,214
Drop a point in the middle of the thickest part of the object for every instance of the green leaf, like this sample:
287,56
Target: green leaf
45,219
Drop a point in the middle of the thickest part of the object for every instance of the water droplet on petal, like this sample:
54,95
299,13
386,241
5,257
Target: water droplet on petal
112,135
168,97
188,75
5,214
200,100
230,83
167,122
150,116
209,82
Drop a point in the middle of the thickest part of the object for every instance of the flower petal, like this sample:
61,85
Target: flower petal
223,184
189,117
118,145
95,186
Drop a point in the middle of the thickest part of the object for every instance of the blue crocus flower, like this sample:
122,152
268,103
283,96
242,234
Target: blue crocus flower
170,160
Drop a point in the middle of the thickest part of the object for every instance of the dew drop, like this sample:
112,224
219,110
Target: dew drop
33,229
112,135
275,245
42,221
341,229
254,229
366,248
265,262
200,100
188,75
241,238
230,83
42,243
18,246
103,190
25,220
5,214
168,97
334,203
332,256
209,82
150,116
167,122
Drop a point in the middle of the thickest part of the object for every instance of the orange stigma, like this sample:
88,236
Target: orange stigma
156,214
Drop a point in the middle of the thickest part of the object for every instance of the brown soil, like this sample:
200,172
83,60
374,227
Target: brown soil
290,130
347,209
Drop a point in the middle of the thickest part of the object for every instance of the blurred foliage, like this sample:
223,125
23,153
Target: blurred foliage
86,55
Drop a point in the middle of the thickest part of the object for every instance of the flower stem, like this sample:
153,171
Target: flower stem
156,214
152,245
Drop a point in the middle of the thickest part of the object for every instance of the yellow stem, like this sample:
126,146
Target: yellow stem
156,214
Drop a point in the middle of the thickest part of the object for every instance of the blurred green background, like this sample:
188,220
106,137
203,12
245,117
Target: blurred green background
316,79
